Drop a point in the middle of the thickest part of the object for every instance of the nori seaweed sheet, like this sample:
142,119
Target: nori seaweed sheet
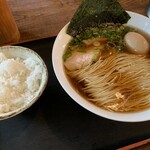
91,13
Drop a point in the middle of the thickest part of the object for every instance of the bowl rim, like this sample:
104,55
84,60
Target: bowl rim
57,51
42,87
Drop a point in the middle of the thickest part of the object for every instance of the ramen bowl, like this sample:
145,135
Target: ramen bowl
138,21
20,91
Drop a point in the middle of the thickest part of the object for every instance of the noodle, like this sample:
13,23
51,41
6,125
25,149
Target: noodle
118,83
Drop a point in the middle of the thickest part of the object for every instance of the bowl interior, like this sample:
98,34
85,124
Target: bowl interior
22,52
60,44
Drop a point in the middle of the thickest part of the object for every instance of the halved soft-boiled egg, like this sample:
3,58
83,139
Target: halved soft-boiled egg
136,43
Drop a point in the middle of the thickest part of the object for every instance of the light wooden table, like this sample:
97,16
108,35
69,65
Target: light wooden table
37,19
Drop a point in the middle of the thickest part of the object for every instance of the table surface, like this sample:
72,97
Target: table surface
56,122
37,19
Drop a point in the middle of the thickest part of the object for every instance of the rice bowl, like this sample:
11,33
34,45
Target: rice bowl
23,79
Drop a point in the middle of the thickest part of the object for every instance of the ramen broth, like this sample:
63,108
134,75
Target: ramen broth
78,86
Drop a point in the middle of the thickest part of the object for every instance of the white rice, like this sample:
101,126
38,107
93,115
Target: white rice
19,81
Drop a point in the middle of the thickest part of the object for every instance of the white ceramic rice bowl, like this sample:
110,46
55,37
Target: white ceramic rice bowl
22,52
